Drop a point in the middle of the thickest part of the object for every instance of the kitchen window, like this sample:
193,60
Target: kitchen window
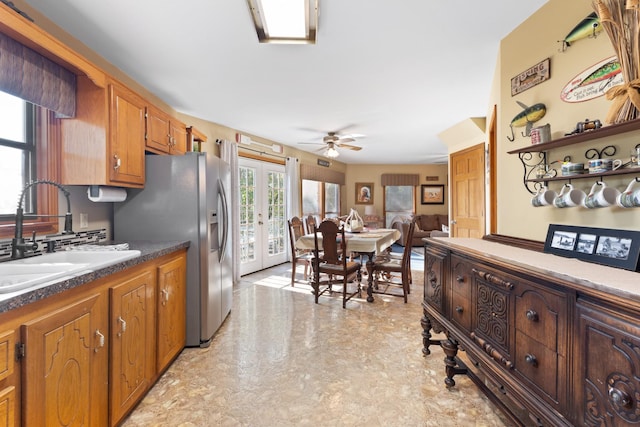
26,155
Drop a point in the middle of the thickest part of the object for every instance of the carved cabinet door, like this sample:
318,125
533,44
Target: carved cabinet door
133,353
171,310
66,366
607,381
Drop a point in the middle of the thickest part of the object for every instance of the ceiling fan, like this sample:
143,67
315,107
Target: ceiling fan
333,141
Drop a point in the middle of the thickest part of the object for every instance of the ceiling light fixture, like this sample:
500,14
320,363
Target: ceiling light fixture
285,21
331,152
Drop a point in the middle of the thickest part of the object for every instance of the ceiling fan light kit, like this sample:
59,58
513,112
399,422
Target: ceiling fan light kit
331,151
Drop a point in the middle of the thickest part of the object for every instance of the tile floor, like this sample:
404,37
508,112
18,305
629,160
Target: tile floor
281,360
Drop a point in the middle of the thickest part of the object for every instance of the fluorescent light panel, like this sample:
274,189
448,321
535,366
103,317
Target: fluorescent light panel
285,21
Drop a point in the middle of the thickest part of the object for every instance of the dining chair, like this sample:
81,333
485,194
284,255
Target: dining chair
298,256
332,263
393,272
311,223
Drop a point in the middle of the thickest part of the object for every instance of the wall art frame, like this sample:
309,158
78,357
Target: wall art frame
432,194
364,193
615,248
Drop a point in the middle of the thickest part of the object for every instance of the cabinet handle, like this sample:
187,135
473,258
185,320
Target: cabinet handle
459,310
531,360
165,297
100,340
619,398
532,315
117,163
460,279
123,326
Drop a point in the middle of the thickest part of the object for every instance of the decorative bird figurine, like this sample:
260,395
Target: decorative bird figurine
527,117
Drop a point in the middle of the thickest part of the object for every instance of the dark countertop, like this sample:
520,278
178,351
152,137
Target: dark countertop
148,251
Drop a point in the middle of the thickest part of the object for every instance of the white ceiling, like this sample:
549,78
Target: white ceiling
399,72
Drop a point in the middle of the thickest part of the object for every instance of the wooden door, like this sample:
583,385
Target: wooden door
171,310
132,334
66,362
468,192
127,128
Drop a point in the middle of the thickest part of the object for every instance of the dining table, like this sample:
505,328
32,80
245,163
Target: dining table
368,243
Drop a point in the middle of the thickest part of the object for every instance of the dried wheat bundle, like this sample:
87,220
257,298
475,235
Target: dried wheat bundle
620,20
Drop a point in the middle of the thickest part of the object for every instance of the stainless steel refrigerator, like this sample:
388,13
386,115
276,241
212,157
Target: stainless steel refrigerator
185,198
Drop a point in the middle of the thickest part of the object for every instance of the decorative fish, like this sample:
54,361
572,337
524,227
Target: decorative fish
527,117
606,73
588,27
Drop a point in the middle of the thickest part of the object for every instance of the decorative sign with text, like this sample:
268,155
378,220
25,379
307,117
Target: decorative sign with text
531,77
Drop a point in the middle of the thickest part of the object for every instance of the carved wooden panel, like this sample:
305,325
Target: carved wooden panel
61,352
133,340
609,376
461,312
492,309
434,276
171,310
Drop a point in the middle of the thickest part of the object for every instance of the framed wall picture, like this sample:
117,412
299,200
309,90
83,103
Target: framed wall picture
432,194
364,193
615,248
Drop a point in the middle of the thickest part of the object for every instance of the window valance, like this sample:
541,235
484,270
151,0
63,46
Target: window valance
30,76
399,179
315,173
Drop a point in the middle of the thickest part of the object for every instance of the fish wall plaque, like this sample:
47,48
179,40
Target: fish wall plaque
588,27
593,82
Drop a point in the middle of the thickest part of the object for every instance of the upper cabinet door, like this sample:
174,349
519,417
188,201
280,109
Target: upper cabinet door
127,129
158,135
178,137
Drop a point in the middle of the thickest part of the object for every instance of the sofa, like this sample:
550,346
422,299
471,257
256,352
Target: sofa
425,224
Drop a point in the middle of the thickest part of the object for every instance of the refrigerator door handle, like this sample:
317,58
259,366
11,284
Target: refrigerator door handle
225,219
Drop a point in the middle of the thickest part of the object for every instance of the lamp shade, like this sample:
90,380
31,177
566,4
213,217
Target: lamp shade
369,210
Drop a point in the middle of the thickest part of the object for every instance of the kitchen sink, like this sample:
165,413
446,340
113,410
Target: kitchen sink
27,272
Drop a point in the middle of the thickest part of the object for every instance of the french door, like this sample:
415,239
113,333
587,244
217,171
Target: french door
263,225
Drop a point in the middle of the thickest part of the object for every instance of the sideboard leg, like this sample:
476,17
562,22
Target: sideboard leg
450,348
426,335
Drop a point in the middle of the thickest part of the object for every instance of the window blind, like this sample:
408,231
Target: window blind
30,76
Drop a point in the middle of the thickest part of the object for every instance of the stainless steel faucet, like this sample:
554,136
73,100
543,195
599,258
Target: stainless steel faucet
18,245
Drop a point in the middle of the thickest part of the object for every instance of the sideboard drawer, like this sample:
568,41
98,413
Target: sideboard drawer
539,365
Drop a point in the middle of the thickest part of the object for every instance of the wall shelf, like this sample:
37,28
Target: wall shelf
534,155
625,171
589,135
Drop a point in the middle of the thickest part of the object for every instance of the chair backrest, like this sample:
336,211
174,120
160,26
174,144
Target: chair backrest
311,223
406,254
296,230
332,237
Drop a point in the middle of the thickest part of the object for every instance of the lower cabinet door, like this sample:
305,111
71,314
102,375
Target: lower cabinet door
65,366
171,310
132,342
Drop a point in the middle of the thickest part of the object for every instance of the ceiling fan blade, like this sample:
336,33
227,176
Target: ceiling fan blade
345,139
349,147
352,136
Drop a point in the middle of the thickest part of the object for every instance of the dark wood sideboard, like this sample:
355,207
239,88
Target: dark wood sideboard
551,341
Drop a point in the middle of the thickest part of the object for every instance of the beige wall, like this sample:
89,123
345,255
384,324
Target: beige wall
533,41
372,173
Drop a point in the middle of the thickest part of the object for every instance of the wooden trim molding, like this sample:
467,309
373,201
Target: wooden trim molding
532,245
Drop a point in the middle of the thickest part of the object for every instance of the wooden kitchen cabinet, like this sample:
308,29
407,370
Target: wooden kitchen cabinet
65,365
172,301
104,143
127,127
165,134
132,338
8,403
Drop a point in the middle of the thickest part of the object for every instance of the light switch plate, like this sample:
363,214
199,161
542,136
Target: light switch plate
84,220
